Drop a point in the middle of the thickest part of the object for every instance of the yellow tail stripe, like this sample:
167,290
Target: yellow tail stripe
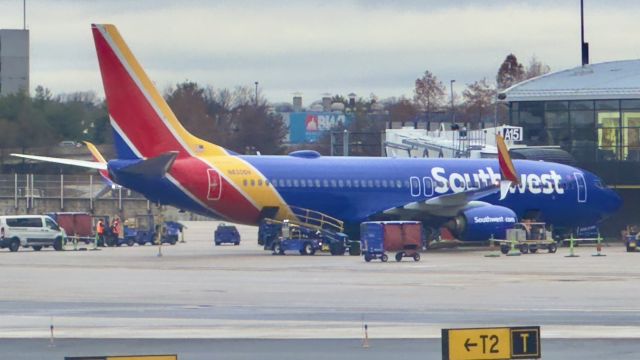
195,144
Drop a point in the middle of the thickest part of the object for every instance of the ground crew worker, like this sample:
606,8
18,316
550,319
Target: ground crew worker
116,229
100,232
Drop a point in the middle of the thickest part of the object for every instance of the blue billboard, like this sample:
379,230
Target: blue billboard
306,127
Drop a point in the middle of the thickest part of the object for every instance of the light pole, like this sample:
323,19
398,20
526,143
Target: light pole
453,117
256,93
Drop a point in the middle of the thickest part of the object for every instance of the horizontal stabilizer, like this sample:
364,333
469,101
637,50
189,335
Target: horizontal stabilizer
153,167
81,163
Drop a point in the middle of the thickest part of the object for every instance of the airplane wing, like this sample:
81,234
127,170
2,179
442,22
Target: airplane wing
445,205
451,204
81,163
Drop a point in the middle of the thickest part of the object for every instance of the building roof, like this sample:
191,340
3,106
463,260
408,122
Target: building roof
607,80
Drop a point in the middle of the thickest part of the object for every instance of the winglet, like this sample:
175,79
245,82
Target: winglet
508,173
97,156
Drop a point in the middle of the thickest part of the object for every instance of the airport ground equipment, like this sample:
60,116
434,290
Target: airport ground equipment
631,238
142,230
528,237
631,243
402,237
294,239
77,225
310,225
226,234
172,231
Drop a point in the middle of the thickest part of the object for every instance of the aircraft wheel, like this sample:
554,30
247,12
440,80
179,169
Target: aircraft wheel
384,258
504,249
533,250
552,248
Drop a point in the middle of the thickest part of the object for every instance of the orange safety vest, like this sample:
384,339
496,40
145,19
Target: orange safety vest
100,228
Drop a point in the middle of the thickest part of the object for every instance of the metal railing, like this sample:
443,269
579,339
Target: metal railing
318,220
31,188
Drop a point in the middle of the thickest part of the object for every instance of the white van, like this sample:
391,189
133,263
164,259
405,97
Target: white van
35,231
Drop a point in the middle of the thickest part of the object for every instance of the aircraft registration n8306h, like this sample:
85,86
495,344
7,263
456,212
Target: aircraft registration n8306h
159,158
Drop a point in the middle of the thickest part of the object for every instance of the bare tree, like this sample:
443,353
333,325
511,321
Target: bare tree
536,68
429,92
478,99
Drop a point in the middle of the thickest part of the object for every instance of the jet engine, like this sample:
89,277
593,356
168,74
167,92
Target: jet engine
480,223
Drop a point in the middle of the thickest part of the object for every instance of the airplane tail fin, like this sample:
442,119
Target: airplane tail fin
144,125
508,172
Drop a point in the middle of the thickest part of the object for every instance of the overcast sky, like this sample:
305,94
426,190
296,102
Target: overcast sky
316,47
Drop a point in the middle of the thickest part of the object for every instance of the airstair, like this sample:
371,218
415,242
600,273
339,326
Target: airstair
309,223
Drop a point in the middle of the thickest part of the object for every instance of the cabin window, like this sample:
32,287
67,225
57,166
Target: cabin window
325,183
384,183
370,183
259,182
333,183
317,183
348,182
303,183
245,182
289,183
340,183
398,184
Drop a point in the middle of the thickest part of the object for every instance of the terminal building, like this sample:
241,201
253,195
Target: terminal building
14,61
592,112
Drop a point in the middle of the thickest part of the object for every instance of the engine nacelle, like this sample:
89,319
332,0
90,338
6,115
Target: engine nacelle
480,223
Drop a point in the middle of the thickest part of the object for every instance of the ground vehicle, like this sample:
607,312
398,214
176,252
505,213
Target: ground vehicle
630,237
529,237
172,231
402,237
293,239
78,224
337,243
143,230
226,234
35,231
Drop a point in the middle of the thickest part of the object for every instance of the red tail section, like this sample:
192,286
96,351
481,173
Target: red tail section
138,113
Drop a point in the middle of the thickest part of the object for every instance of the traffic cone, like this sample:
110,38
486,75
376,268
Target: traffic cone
365,341
599,247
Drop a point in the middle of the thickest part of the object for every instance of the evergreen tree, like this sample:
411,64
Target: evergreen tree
510,72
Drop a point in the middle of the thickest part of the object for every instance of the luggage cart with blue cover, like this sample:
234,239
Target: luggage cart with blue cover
372,235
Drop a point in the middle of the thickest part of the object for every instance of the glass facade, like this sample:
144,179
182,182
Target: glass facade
591,130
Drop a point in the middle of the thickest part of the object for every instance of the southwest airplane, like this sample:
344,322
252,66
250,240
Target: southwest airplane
477,198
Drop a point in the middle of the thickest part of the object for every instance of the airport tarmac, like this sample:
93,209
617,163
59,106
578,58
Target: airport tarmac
198,291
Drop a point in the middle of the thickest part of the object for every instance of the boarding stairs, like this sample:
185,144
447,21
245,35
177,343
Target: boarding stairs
313,223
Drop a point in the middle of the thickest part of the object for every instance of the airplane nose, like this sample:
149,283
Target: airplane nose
613,202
